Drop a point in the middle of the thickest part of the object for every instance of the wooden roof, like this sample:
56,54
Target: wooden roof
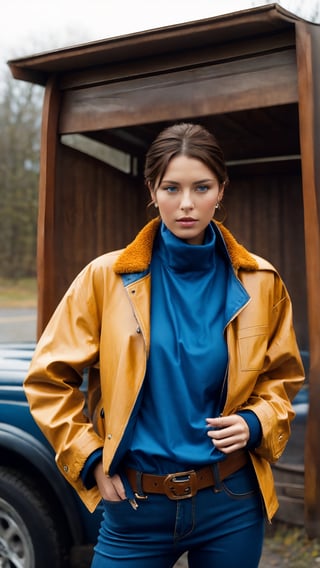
256,22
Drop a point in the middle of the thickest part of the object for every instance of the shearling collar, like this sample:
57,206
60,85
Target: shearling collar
136,257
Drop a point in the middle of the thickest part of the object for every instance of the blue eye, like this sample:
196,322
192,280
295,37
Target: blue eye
202,188
171,189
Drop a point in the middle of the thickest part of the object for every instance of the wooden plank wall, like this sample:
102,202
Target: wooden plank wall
97,209
265,212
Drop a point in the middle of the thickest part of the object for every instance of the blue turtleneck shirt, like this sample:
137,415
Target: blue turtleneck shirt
184,382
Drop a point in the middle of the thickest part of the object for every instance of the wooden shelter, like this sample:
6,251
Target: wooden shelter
253,78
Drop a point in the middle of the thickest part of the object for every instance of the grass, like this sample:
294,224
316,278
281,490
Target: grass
20,293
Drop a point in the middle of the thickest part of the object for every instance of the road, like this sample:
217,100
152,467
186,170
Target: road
18,324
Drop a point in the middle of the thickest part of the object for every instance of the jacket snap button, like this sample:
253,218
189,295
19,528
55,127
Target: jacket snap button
138,330
65,468
109,436
102,413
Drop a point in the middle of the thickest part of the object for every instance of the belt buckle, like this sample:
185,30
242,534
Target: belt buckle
181,485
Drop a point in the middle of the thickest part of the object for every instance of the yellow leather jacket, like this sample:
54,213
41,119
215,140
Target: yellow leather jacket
102,323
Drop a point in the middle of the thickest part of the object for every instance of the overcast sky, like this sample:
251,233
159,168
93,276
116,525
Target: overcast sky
30,26
50,22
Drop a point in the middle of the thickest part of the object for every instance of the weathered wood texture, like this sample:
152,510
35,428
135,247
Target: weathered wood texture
308,55
266,213
96,209
47,187
212,89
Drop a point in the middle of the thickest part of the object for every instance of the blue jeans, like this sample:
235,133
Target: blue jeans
218,529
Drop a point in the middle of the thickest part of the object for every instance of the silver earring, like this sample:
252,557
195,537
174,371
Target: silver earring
218,205
156,205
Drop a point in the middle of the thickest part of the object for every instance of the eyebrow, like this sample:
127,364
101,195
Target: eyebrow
197,181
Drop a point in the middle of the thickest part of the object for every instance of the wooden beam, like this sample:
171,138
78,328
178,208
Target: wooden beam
308,60
253,82
46,252
233,27
184,57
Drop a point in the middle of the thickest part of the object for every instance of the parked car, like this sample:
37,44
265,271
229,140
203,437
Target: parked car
43,523
42,520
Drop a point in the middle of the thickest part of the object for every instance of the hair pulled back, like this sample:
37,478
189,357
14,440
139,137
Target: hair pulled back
187,139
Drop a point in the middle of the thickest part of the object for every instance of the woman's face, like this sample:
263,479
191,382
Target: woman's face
187,197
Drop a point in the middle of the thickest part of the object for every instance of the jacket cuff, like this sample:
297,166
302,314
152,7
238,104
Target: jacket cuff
254,428
86,474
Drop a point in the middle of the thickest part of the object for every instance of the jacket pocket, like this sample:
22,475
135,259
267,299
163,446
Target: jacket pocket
253,342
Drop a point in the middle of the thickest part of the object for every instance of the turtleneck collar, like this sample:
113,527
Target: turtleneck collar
181,256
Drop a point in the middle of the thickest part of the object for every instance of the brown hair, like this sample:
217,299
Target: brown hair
192,140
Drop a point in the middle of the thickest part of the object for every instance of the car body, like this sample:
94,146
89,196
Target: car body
39,510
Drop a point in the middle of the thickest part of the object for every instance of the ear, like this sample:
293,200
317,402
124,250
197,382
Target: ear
221,191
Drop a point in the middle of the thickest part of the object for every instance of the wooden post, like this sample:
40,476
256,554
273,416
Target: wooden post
45,252
308,60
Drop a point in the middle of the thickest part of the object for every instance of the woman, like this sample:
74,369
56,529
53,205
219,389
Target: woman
194,363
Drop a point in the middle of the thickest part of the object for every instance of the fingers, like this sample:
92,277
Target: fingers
228,433
111,488
118,486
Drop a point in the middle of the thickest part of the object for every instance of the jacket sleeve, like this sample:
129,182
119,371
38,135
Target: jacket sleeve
281,375
54,385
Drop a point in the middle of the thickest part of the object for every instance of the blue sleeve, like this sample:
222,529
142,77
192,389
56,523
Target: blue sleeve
254,428
87,471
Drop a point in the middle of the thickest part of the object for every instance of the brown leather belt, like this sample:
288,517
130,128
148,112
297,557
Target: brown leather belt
185,484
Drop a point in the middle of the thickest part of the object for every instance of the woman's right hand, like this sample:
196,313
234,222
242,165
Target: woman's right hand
111,488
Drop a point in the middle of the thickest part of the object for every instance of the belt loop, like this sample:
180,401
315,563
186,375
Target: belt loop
139,494
217,488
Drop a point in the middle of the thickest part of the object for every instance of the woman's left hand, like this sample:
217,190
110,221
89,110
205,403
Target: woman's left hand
228,433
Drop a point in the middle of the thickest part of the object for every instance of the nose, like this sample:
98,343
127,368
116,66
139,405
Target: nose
186,200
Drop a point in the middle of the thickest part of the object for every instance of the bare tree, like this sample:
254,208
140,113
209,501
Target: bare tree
20,112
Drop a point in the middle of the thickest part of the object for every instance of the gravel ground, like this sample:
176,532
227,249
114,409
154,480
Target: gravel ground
288,546
284,546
